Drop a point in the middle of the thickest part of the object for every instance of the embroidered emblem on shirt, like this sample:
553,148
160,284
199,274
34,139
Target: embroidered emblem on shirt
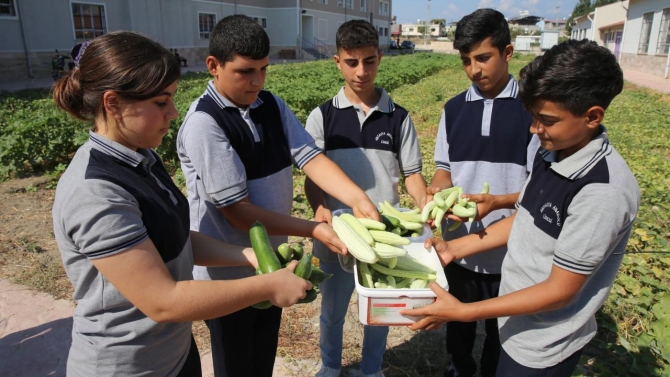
384,138
551,214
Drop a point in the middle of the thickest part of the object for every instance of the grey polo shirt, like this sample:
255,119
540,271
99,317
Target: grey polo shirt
110,199
576,214
373,149
485,140
216,175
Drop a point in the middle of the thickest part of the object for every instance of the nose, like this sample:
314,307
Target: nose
536,127
360,70
173,113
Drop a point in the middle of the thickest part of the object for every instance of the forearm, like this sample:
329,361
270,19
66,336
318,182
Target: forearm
441,179
243,214
492,237
505,201
208,251
325,174
193,300
416,187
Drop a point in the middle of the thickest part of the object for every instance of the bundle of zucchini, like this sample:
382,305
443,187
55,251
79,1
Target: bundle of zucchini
270,261
450,199
376,250
405,224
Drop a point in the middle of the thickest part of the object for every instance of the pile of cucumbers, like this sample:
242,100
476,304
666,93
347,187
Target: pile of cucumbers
270,260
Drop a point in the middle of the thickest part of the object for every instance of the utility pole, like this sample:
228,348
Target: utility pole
426,34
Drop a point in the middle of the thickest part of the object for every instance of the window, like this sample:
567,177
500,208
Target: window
364,5
386,32
261,21
323,1
206,22
350,4
647,19
664,33
7,8
340,3
381,31
89,20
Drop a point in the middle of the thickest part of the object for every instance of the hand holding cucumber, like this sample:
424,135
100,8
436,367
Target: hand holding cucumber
325,233
484,206
287,287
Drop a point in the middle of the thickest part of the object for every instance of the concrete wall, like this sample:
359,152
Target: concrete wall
646,61
608,15
653,65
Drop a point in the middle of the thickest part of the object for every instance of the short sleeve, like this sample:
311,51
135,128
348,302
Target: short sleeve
531,152
102,219
204,147
314,127
442,145
302,145
409,158
597,216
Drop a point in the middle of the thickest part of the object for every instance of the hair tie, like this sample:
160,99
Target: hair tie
81,53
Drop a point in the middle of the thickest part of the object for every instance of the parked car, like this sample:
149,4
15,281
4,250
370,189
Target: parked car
393,45
407,45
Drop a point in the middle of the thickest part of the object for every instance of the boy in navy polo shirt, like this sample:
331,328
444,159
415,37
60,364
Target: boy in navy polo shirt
237,146
374,141
574,216
483,136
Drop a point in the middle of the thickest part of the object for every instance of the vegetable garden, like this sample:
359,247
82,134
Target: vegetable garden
634,325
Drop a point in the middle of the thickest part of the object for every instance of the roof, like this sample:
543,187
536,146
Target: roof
525,20
618,23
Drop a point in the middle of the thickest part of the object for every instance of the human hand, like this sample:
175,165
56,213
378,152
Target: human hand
325,233
287,287
364,208
441,248
323,215
485,205
446,308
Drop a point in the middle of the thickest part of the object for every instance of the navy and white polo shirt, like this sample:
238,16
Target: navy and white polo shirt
110,199
228,153
373,149
576,214
485,140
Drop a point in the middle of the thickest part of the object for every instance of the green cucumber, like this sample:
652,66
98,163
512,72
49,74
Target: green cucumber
262,305
390,221
284,253
310,296
298,252
260,242
304,268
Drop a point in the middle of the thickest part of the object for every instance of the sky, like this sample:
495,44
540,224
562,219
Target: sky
408,11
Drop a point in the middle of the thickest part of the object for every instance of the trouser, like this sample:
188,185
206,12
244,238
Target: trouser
335,295
191,367
470,286
507,367
244,343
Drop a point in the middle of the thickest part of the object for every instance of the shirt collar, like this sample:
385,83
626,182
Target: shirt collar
224,102
121,152
385,103
510,91
580,163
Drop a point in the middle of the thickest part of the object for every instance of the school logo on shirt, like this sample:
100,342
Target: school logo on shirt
384,138
551,214
549,219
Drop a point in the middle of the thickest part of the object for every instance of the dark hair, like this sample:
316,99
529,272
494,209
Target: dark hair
575,75
479,25
238,35
356,34
132,65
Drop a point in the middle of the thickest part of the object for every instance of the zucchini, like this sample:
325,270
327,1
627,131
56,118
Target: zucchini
262,305
358,227
388,238
356,245
298,252
310,296
304,268
403,273
372,224
260,242
390,221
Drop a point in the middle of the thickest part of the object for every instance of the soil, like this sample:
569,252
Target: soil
29,256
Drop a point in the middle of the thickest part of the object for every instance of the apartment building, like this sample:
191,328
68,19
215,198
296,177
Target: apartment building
34,29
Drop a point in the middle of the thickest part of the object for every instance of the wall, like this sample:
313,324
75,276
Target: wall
608,15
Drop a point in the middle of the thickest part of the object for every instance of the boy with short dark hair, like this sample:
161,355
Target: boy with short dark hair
483,136
237,146
374,141
573,220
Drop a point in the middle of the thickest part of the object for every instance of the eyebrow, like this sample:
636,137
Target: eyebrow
366,58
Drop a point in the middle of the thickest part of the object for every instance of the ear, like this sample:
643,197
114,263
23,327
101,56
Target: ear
594,116
336,59
212,63
110,101
508,52
379,56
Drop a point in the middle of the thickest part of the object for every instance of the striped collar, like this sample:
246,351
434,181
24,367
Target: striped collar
121,152
224,102
580,163
384,105
510,91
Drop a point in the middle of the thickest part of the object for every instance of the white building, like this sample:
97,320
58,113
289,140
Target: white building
582,27
33,29
646,37
417,30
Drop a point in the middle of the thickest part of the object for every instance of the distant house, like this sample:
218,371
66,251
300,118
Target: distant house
416,30
33,29
525,23
646,37
582,27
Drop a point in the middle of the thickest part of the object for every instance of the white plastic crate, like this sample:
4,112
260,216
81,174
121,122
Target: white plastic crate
381,307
